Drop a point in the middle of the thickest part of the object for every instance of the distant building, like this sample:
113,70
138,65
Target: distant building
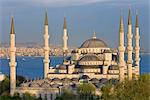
94,61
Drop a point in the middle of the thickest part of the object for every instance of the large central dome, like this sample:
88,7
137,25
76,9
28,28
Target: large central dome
94,43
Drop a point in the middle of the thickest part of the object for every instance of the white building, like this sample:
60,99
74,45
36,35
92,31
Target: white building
94,61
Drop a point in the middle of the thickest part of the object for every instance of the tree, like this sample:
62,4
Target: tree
67,95
106,90
86,91
27,96
8,97
128,89
4,86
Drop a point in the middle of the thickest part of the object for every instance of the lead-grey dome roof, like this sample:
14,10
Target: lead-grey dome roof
94,43
90,58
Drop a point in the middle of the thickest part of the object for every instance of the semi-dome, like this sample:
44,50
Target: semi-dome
94,43
89,58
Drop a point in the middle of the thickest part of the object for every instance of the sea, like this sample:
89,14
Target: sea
32,67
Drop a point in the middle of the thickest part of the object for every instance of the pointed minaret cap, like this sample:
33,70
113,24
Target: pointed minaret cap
46,19
12,30
65,24
94,35
129,17
137,23
121,29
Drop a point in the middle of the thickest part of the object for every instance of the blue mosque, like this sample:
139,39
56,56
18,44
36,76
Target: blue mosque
94,61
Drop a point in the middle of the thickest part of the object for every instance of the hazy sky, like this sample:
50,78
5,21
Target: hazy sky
83,17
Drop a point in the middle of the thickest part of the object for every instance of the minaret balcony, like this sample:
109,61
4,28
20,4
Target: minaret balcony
137,37
46,48
129,62
46,36
137,48
121,48
46,60
12,49
12,64
129,48
129,36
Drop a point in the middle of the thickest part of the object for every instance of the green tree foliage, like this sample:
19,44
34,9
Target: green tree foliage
86,91
27,96
6,97
4,86
128,90
106,90
67,95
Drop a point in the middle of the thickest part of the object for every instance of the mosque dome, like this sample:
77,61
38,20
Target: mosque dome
94,43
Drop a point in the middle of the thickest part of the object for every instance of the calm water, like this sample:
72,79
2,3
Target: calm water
32,67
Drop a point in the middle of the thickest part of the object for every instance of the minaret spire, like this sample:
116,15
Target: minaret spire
121,29
94,35
65,38
137,23
129,17
137,47
12,62
65,25
129,46
121,49
12,29
46,18
46,47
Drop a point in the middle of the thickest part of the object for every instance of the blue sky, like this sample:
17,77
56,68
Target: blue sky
83,17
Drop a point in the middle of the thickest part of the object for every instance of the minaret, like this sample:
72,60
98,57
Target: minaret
121,49
65,38
12,62
137,46
129,46
46,47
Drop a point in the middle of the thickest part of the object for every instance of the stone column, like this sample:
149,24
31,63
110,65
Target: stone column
65,38
46,47
129,47
12,62
121,49
137,47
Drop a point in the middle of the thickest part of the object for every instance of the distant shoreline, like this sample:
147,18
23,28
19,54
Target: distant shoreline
62,55
32,56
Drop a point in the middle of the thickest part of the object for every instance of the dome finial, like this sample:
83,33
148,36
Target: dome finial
94,35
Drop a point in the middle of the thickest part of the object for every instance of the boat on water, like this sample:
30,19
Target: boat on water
23,59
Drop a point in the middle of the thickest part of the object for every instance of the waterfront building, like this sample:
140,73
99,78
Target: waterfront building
94,61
